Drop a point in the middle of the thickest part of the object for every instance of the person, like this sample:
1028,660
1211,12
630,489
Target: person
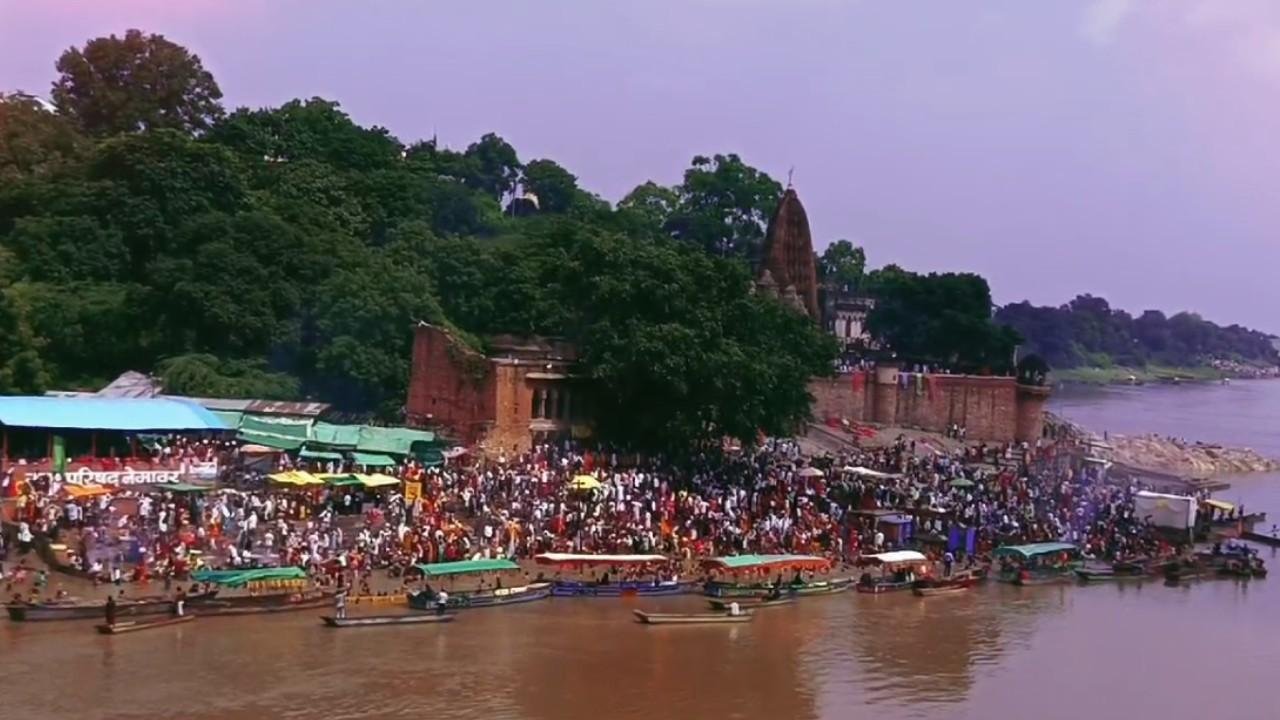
111,610
442,602
179,602
340,603
735,609
947,561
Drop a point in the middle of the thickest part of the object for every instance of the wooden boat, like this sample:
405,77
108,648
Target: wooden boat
821,587
1117,572
135,626
78,610
625,588
1038,563
723,605
372,620
947,586
379,600
426,599
690,618
1261,539
262,605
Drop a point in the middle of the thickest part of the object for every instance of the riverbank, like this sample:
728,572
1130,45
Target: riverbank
1187,458
1123,375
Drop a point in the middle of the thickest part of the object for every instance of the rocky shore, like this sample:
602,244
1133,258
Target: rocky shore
1186,458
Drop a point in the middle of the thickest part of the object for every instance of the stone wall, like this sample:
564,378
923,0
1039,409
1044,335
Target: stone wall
990,408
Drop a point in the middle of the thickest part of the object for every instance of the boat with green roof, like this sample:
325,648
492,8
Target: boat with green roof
428,597
743,567
1038,563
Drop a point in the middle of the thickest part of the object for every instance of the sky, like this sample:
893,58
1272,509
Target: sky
1116,147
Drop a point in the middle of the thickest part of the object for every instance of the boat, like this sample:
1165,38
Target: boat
79,610
931,587
270,590
1183,569
615,588
135,626
723,605
372,620
1118,571
1269,540
1038,563
425,599
897,571
690,618
764,565
263,605
396,599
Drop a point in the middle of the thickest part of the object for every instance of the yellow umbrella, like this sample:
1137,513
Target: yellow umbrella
584,482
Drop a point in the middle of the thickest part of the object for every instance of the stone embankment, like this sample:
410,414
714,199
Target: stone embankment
1185,458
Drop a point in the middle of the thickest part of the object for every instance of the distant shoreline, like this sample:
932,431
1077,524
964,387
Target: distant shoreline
1158,374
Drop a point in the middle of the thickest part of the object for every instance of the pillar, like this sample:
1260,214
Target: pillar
885,408
1031,400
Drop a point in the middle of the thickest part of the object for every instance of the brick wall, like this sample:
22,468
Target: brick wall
450,385
991,408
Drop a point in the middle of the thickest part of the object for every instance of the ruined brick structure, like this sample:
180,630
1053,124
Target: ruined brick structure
523,392
992,409
787,267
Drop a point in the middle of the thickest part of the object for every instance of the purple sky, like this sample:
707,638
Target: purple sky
1116,147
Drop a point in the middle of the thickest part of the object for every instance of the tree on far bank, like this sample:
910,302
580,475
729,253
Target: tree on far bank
725,206
133,83
843,264
554,186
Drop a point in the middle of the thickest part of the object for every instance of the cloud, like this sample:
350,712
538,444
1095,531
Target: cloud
1102,19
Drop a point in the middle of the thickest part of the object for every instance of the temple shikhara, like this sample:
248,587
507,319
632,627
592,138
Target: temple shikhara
787,268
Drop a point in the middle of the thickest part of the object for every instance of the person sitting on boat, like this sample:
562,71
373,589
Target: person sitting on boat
442,602
947,561
735,609
111,610
179,602
775,593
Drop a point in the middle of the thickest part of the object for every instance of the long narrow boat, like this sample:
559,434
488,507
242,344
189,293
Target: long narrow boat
263,605
690,618
1093,575
723,605
946,586
623,588
616,588
1261,539
470,599
135,626
374,620
44,612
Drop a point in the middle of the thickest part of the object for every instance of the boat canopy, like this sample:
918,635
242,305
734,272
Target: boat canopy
239,578
766,562
893,558
1030,551
464,567
572,559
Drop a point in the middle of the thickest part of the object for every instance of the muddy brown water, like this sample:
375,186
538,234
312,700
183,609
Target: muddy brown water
1207,650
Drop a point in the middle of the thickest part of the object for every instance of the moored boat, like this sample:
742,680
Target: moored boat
426,599
931,587
1261,539
1038,563
76,610
375,620
613,588
690,618
723,605
763,565
135,626
897,571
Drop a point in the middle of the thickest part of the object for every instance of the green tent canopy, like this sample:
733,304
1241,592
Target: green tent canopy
393,441
310,454
239,578
342,480
372,459
335,436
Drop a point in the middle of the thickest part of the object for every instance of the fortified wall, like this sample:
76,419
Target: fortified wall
992,409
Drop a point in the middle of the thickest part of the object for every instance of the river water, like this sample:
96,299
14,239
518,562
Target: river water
1147,651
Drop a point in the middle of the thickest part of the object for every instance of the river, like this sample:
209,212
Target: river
1050,652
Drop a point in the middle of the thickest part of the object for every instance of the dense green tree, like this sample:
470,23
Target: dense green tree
33,139
22,368
555,187
137,82
315,129
203,375
725,205
843,264
648,208
493,166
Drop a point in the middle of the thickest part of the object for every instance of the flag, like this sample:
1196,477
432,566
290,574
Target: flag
59,454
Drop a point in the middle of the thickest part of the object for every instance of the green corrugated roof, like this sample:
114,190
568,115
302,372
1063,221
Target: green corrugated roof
747,561
237,578
310,454
232,418
1028,551
271,441
466,566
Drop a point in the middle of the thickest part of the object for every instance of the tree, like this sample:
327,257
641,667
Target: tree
138,82
725,206
205,375
554,186
22,369
316,130
33,139
495,167
842,264
648,208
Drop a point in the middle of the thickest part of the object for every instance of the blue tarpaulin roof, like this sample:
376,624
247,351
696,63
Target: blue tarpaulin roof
95,413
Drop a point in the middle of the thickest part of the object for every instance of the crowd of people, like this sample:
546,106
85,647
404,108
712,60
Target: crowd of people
772,499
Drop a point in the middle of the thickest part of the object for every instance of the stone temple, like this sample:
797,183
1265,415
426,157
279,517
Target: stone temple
787,266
